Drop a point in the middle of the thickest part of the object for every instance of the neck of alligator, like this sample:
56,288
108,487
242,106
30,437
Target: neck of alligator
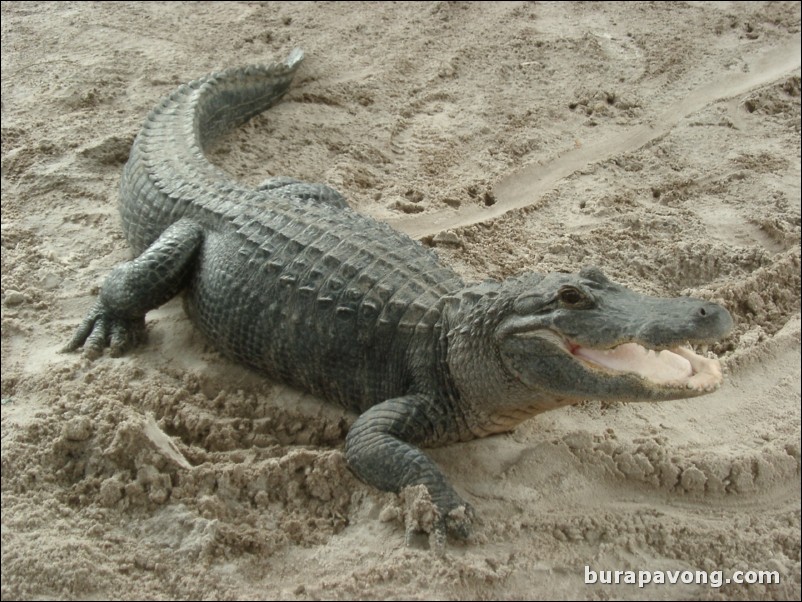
316,295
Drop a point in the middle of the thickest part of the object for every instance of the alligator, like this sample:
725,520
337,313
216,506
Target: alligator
286,278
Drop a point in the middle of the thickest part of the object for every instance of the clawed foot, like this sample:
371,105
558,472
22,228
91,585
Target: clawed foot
458,522
101,329
423,516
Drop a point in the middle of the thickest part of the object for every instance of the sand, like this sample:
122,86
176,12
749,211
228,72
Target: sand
658,141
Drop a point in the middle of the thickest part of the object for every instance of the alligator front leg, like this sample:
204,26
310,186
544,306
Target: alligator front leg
381,450
133,288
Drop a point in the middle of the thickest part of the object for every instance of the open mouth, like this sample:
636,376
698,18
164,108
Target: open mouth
677,368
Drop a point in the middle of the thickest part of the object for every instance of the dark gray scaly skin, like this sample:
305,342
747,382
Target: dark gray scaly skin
289,280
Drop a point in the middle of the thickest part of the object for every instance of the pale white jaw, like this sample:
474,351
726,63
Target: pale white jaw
678,367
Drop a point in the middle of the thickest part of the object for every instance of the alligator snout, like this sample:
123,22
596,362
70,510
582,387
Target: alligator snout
686,319
711,321
712,315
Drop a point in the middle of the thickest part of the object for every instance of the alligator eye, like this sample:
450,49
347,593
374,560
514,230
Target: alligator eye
571,296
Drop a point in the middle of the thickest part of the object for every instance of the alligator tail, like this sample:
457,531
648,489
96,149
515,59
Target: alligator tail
228,99
167,175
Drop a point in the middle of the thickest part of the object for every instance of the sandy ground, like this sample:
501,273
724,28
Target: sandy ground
659,141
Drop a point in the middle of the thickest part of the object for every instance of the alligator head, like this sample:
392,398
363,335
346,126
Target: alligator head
562,338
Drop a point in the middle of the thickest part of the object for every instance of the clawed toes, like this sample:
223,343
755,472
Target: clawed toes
459,522
100,330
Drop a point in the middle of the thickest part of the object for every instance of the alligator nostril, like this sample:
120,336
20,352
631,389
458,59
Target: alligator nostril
702,312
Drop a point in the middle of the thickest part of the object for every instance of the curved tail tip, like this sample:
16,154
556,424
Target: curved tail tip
294,58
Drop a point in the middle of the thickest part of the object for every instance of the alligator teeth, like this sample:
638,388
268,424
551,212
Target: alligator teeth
663,367
699,348
707,374
678,367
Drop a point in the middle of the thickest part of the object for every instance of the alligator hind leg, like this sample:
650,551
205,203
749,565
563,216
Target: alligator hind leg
117,319
287,187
